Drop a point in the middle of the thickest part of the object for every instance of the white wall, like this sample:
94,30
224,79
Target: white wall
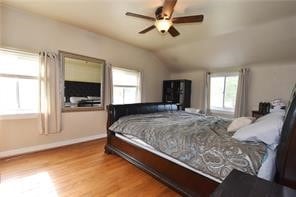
197,84
78,70
271,81
31,32
267,81
1,24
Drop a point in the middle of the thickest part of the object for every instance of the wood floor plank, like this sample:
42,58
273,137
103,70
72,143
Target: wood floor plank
77,170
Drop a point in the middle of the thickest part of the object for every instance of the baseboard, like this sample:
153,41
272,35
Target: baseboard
41,147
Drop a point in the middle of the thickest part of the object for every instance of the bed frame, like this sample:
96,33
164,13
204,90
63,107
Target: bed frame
185,181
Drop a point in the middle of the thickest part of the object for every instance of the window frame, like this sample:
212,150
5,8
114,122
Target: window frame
138,87
225,110
22,114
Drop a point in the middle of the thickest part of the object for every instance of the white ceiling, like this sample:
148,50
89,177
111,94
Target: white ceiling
234,32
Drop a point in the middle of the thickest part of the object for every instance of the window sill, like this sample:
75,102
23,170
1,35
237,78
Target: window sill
228,114
19,116
82,109
223,110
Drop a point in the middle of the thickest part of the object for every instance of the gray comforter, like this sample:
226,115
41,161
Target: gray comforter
201,142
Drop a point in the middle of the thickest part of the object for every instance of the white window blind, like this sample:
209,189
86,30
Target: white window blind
223,92
126,86
19,82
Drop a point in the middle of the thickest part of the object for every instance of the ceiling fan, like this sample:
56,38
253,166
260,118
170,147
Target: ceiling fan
163,20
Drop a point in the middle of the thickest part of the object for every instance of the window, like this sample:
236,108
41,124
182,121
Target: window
19,82
223,92
126,86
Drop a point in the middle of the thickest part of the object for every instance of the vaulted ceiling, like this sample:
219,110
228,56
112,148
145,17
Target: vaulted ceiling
234,32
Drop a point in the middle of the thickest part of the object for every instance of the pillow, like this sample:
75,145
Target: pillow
278,113
76,100
266,129
94,97
239,123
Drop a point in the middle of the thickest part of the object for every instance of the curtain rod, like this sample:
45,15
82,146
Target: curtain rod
22,51
16,50
43,53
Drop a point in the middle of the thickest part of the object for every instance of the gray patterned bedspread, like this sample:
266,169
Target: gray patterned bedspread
201,142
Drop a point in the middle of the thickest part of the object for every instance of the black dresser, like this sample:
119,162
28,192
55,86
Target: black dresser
177,91
241,184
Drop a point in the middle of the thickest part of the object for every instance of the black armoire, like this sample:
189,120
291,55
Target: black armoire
177,91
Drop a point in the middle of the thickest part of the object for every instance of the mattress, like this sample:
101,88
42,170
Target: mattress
266,171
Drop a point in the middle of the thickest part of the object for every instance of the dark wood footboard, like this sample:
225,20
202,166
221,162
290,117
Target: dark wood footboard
179,178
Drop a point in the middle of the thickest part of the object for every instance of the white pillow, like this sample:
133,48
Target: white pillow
267,130
278,113
94,97
239,123
76,100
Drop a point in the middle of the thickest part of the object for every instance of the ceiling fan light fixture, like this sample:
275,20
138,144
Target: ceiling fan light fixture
163,20
163,25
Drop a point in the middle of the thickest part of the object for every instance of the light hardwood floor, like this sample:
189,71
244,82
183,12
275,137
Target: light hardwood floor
77,170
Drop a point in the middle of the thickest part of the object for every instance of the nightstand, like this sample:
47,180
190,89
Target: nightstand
257,114
241,184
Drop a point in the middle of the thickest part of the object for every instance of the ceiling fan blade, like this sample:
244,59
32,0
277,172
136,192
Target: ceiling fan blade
173,31
168,8
188,19
147,29
140,16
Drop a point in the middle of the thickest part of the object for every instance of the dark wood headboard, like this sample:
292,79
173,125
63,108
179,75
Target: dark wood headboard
81,89
117,111
286,153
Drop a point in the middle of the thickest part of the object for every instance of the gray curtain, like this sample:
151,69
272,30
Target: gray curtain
141,88
207,90
242,94
109,84
50,93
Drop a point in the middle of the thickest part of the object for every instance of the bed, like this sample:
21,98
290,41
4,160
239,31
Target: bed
183,178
